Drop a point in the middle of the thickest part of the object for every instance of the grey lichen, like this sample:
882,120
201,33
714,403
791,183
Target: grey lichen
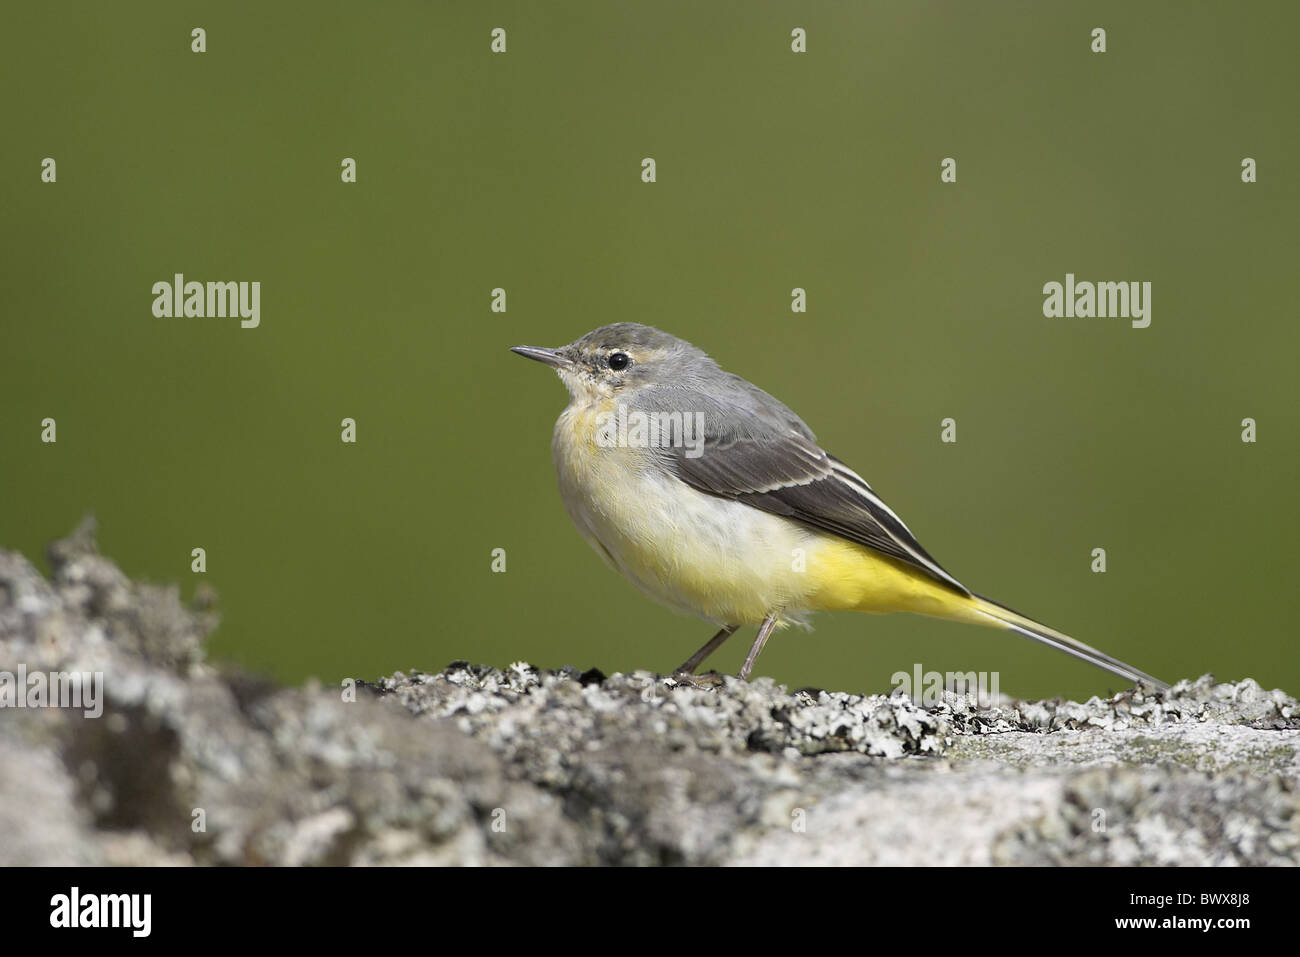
725,716
474,765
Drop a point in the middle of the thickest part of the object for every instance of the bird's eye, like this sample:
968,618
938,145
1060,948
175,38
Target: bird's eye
618,360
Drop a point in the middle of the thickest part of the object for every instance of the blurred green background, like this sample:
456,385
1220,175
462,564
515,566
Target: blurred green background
775,170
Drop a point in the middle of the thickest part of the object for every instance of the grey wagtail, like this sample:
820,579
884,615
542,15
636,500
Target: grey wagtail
714,498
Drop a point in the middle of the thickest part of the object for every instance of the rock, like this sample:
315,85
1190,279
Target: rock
190,763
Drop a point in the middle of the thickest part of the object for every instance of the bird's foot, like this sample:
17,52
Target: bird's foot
710,679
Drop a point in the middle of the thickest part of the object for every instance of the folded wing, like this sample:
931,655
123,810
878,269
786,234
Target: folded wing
757,451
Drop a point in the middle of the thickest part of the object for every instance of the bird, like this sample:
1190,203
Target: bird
715,499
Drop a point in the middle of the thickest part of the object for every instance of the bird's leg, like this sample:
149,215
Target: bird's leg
690,664
764,630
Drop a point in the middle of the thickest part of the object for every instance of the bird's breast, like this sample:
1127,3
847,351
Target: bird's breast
710,556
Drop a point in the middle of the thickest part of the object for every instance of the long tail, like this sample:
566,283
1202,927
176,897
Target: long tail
1023,625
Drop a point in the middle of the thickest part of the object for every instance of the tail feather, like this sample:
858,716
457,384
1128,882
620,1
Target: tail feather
1026,626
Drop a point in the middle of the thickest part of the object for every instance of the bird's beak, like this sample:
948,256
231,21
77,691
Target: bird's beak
552,357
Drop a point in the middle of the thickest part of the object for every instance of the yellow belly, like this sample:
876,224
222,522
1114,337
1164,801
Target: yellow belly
853,577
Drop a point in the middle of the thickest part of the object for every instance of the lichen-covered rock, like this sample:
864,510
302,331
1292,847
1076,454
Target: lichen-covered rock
191,763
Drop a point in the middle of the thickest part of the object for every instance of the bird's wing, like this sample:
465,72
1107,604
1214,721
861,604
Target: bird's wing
756,451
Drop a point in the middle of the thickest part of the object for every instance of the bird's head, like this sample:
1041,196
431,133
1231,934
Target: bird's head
618,360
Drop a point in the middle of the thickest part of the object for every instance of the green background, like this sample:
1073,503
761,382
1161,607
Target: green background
775,170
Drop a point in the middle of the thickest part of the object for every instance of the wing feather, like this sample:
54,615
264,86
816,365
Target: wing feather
757,451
